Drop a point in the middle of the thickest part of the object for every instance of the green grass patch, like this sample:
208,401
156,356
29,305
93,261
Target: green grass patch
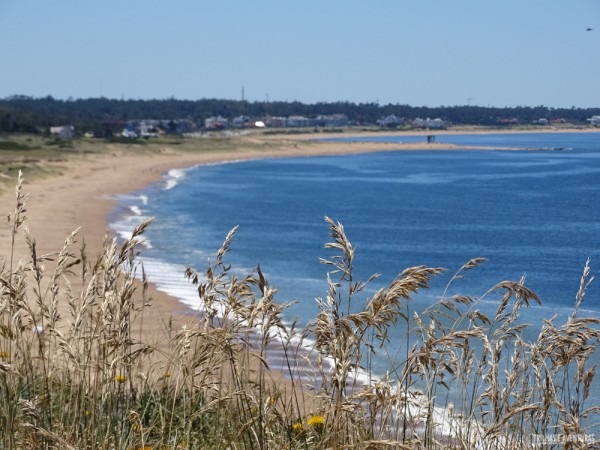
125,140
60,143
11,145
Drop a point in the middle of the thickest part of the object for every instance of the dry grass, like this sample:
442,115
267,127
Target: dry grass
458,379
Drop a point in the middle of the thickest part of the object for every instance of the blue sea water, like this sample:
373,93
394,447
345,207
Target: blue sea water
534,213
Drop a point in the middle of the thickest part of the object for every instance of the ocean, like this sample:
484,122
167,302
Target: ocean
530,213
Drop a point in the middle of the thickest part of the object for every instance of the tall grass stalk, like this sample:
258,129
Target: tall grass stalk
78,369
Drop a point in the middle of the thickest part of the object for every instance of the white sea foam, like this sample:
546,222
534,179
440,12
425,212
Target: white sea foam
126,223
173,177
231,161
170,279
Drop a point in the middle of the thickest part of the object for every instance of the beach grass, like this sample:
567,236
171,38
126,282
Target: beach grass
77,370
39,156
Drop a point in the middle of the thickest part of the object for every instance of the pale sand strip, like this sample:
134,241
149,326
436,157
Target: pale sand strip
82,195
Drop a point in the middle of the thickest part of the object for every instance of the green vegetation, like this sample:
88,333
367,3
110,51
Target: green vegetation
106,117
10,145
61,143
38,156
124,140
78,372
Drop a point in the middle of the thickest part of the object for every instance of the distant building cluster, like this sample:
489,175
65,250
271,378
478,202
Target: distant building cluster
428,123
156,128
391,121
152,128
325,121
541,121
544,121
321,121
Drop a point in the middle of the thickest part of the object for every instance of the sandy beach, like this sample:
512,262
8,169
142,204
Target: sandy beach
81,195
81,190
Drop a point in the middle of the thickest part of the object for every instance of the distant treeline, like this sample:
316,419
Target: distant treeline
29,114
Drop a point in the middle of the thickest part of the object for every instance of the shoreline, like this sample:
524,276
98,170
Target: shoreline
84,193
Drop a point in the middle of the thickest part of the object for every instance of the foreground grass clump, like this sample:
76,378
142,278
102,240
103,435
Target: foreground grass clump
78,371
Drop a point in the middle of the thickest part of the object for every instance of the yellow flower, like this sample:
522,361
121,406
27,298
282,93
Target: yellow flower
4,355
298,427
120,378
168,374
316,421
87,412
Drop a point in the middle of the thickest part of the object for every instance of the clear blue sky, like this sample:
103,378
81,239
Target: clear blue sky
419,52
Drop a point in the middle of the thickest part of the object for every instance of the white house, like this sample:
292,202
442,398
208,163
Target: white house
65,132
148,129
390,121
129,133
428,123
216,123
595,120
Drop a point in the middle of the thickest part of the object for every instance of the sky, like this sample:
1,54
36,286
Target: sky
420,52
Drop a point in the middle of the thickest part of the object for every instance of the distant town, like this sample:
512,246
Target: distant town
135,119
